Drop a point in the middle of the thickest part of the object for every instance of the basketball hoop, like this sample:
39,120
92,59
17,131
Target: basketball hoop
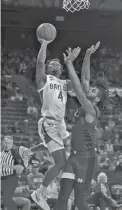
75,5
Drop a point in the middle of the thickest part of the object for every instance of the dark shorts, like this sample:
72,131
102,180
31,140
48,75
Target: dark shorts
80,167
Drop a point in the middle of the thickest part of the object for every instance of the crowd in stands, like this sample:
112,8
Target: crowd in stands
33,176
108,135
18,61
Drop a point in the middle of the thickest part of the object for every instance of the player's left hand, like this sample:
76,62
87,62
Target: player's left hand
93,48
42,41
71,54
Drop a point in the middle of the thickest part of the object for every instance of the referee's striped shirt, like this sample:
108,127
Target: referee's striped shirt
8,157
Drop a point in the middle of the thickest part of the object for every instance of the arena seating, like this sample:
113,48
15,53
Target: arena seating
17,111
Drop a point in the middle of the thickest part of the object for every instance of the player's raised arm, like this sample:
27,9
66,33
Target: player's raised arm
40,67
69,82
76,83
85,72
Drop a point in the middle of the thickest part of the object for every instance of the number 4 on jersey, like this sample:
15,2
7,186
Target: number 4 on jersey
60,96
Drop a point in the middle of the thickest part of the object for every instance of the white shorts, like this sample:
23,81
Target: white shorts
66,175
54,146
52,133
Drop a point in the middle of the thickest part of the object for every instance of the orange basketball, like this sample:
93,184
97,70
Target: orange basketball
46,31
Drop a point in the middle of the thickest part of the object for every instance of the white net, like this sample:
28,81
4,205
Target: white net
75,5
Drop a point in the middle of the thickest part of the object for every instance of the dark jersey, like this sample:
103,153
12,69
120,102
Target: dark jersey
83,133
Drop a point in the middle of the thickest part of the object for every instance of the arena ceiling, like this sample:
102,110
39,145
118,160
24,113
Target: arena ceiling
94,4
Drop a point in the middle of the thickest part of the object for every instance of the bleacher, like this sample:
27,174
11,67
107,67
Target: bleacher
17,111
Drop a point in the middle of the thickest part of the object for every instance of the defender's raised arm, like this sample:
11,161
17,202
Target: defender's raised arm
85,72
76,82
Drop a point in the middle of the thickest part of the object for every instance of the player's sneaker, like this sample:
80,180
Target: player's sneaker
40,200
25,158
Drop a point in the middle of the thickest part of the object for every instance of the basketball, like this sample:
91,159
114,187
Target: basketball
46,31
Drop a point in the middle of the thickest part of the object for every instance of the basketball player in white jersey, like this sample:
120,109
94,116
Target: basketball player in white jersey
51,126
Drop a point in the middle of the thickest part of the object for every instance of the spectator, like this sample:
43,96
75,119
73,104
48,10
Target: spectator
9,86
109,146
32,110
6,69
102,184
23,203
16,128
16,65
98,136
31,140
22,189
119,125
104,163
120,117
102,180
4,93
17,95
5,130
23,66
117,142
106,133
118,168
35,178
111,123
118,196
100,196
30,101
93,185
25,127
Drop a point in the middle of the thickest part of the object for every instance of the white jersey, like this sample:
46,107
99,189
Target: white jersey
54,98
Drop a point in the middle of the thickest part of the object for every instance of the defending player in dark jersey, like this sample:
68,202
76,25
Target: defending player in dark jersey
80,166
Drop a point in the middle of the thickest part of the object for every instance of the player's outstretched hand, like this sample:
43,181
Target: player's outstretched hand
42,40
93,48
71,54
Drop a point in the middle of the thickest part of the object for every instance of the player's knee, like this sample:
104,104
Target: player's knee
59,159
60,163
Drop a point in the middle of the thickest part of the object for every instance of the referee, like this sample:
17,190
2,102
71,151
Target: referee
11,166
